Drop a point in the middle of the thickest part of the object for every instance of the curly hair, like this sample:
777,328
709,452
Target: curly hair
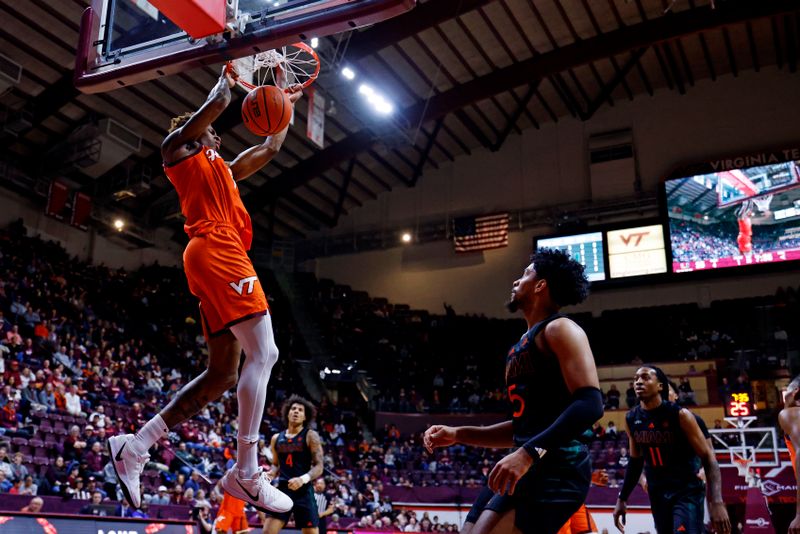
180,120
310,409
565,277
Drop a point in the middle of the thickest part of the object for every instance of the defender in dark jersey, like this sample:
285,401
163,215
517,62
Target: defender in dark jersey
297,459
789,419
553,387
666,440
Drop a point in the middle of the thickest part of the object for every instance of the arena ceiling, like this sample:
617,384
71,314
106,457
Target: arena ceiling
464,75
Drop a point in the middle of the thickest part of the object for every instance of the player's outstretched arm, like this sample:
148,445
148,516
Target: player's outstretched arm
497,436
633,473
218,99
789,419
254,158
716,506
317,462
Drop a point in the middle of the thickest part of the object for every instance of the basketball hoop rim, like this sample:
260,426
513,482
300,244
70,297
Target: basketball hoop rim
300,45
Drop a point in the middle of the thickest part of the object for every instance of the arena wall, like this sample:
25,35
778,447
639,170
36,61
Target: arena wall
550,166
79,243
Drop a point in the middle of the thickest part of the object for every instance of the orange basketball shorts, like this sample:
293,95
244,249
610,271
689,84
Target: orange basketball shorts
581,522
226,522
221,275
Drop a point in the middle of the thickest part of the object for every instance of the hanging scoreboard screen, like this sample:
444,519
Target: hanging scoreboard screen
735,212
586,249
636,251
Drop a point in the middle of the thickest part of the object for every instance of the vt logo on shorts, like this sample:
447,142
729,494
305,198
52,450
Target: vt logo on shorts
240,286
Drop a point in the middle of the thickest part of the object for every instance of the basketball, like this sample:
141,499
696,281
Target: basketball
266,110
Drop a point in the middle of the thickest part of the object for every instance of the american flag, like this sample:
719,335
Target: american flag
480,233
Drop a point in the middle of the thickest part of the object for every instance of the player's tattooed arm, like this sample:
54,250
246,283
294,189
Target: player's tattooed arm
275,468
218,99
716,506
317,462
317,455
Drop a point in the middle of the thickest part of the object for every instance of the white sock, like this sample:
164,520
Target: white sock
152,431
261,354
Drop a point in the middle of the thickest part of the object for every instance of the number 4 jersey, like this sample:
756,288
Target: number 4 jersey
670,462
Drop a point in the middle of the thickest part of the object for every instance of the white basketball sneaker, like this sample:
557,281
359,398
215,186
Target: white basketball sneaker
257,491
128,466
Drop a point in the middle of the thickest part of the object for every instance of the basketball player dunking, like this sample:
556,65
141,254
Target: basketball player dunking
297,459
233,306
745,215
743,218
553,386
789,419
667,441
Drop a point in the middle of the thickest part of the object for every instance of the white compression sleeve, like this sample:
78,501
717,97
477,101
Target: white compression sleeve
261,354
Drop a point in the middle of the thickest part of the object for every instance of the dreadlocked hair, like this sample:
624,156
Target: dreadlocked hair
179,121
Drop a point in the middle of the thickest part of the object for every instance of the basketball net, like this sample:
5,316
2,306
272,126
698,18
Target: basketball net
762,203
744,470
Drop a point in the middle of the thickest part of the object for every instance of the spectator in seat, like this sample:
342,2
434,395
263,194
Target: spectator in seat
162,497
194,482
5,462
686,393
91,508
18,470
91,487
611,431
73,444
28,487
73,401
612,398
724,389
77,490
47,397
55,474
33,507
95,459
5,484
98,417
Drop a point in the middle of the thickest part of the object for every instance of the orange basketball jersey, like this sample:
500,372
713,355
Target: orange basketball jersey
792,453
746,226
209,195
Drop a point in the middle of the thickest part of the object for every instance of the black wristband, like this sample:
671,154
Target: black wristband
535,452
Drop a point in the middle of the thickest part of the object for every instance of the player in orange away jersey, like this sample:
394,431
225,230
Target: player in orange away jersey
233,306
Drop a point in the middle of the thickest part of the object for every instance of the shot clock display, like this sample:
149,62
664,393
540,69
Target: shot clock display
739,405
